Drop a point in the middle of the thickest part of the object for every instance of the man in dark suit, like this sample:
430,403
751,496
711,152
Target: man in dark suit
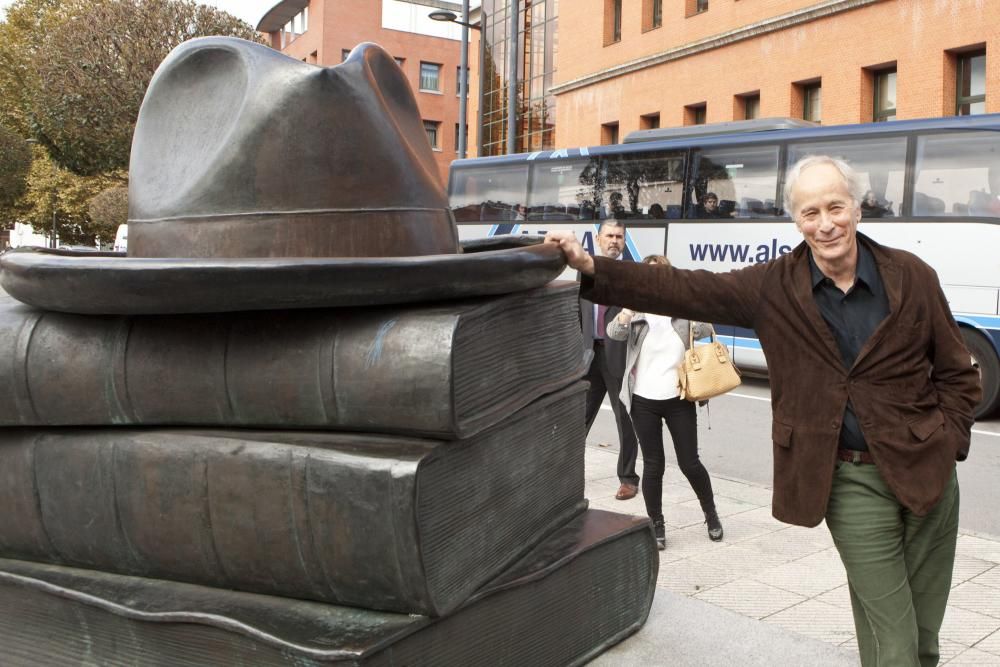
608,365
872,394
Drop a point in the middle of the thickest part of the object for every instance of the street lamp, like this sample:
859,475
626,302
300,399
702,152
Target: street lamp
463,85
53,198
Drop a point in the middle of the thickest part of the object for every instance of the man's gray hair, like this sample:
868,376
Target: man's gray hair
851,178
610,222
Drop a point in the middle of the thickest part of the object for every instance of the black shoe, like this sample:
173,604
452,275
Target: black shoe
714,525
661,534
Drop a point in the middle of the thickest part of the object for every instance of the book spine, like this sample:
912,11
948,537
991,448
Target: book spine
310,522
389,371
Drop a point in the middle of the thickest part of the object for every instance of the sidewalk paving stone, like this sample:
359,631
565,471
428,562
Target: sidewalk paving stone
789,577
750,598
812,618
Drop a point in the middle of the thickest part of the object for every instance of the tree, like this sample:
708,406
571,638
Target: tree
109,209
78,70
15,161
54,191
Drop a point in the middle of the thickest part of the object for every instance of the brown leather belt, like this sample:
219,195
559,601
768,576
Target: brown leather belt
854,456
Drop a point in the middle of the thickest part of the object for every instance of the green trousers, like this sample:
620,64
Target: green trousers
898,564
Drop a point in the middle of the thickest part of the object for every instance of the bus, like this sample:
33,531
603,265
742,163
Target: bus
932,187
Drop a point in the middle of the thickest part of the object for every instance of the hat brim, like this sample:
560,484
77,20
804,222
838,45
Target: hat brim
113,284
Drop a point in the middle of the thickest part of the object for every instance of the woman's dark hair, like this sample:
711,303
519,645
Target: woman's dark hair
656,259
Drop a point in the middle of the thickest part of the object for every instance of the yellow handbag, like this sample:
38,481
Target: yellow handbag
707,371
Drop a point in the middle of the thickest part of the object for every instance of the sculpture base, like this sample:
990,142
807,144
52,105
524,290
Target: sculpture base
584,589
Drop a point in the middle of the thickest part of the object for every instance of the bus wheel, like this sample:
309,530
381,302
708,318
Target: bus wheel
984,358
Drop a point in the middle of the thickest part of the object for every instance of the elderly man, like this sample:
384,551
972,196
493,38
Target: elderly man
872,397
608,366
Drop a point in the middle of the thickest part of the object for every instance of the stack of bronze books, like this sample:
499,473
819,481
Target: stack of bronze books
346,473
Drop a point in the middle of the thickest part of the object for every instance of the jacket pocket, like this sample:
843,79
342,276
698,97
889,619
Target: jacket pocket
781,434
923,426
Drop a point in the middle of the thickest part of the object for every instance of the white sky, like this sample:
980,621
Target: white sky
251,11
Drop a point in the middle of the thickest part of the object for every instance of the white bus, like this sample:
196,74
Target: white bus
933,188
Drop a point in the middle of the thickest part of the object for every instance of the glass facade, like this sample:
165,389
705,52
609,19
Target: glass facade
537,46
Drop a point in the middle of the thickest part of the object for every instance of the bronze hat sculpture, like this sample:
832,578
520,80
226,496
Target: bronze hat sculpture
260,182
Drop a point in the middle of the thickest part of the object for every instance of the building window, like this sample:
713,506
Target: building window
649,121
431,128
344,53
695,7
609,133
695,114
399,61
812,102
751,106
458,80
885,95
298,25
971,98
430,77
612,21
652,14
456,136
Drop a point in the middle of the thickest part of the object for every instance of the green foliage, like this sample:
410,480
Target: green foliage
54,190
74,72
108,209
15,161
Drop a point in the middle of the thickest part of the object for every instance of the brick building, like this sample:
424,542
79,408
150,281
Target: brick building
324,32
680,62
623,65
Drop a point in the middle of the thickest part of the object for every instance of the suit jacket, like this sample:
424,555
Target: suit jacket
912,385
614,351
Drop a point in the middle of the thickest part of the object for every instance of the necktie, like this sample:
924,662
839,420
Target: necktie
601,324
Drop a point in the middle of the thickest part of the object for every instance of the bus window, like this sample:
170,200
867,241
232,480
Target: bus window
492,193
646,185
743,181
958,175
880,164
564,189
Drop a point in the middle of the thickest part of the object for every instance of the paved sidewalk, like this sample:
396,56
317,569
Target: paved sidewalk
786,582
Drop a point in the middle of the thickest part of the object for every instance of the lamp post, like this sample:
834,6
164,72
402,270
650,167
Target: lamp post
52,198
463,85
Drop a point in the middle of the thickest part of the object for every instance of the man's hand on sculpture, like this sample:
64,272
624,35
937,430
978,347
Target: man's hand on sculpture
576,256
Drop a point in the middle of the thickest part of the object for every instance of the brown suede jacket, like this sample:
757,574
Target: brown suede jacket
913,385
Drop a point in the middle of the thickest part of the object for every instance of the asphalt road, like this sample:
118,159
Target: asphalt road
738,445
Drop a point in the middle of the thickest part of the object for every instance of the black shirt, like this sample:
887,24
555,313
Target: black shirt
852,318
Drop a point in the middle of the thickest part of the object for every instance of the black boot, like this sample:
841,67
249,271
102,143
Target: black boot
661,534
714,525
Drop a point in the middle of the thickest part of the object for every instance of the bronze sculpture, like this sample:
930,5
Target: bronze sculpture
448,510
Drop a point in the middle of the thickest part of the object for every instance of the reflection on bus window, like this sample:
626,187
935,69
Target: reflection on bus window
879,163
489,193
645,185
743,181
958,175
564,190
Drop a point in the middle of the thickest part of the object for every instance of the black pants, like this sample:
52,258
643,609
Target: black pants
682,420
603,380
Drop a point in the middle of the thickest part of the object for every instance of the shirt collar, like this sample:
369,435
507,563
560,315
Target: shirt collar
866,272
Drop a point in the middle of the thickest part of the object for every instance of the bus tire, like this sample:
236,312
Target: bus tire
984,358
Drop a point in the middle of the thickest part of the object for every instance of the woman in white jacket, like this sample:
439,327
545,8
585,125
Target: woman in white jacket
651,394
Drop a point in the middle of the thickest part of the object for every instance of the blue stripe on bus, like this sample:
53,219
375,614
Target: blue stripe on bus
745,338
979,321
